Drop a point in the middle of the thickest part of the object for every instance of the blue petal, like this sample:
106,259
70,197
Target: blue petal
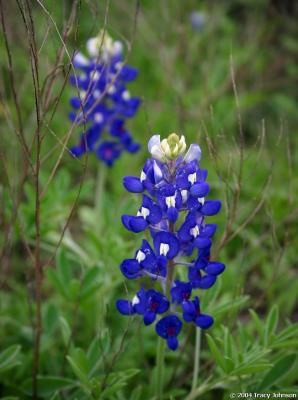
200,264
202,175
134,224
125,307
155,215
77,151
149,317
163,306
172,343
188,317
172,214
208,230
128,73
211,207
204,321
199,189
170,321
130,268
132,147
193,203
167,238
202,242
207,282
150,261
184,232
138,224
133,184
215,268
194,274
76,102
188,307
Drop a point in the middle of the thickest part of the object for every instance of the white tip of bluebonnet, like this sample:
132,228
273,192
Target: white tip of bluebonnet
117,47
92,47
80,60
155,148
154,141
194,153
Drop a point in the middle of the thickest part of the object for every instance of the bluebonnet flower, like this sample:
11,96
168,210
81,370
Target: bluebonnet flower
103,103
174,211
147,303
198,20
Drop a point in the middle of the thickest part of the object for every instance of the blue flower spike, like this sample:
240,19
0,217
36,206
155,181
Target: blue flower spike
173,210
102,103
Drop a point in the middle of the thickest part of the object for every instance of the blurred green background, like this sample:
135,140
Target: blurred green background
188,77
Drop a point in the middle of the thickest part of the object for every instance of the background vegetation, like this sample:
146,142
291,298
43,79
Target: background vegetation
230,87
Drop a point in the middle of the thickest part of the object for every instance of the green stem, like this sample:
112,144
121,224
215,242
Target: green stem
161,346
99,195
160,356
196,360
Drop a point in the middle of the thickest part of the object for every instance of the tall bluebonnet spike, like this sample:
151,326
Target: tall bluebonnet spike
102,103
173,211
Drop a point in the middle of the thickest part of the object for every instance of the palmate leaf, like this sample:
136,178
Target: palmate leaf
277,372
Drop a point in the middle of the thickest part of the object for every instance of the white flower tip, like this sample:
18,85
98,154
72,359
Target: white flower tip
80,60
154,141
92,47
117,47
194,153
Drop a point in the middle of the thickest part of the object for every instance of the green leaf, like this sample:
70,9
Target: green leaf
9,398
217,354
259,325
251,368
50,319
9,358
229,364
57,283
47,385
292,343
229,306
136,393
63,267
74,288
89,283
65,330
79,373
278,371
291,330
271,324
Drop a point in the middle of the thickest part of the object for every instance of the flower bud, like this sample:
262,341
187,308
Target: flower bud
167,149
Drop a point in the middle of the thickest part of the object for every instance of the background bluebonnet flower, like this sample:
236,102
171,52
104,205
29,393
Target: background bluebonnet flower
103,103
174,211
198,20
